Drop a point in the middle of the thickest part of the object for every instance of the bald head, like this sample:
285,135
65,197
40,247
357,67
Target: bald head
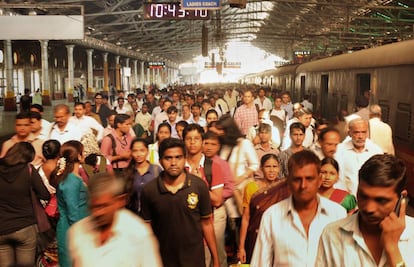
375,111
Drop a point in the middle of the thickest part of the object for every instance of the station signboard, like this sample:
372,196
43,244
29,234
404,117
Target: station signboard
200,4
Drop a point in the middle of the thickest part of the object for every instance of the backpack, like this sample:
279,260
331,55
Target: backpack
113,142
208,167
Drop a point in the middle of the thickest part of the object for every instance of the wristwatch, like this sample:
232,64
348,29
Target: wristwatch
400,264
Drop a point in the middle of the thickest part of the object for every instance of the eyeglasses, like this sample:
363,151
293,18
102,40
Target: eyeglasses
98,97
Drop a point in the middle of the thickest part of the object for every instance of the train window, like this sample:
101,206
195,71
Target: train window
343,102
385,110
364,83
403,117
333,105
302,86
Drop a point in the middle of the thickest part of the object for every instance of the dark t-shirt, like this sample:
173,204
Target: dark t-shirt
176,220
25,102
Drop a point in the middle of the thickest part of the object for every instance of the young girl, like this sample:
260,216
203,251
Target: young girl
138,173
163,132
329,175
71,194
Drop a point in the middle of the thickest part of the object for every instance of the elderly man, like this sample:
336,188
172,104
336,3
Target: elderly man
380,132
63,130
111,235
352,153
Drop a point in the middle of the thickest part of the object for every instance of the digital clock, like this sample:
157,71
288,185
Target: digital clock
172,11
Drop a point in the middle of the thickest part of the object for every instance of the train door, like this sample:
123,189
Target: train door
324,95
363,83
302,87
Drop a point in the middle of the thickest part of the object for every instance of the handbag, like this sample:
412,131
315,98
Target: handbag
42,221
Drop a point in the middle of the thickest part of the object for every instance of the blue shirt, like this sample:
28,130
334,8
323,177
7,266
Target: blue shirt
140,181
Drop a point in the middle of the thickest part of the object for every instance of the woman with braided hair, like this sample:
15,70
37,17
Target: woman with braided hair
71,192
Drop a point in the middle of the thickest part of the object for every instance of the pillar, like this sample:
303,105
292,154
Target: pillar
142,75
89,87
71,74
148,77
46,101
10,100
117,73
127,79
105,72
135,64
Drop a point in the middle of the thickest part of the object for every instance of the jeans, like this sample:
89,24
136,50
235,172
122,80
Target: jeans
18,248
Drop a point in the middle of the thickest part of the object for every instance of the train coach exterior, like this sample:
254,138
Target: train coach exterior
334,83
388,71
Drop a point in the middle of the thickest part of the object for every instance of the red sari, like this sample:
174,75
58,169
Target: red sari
260,201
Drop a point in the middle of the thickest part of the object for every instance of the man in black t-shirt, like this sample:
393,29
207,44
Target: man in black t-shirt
25,101
177,205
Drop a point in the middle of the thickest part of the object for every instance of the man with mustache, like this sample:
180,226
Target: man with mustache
380,234
352,153
290,229
178,207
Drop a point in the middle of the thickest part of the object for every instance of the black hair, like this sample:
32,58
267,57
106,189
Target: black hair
35,115
297,125
384,170
181,123
331,161
23,115
171,143
327,130
193,127
79,104
232,131
120,118
19,153
196,105
301,159
164,124
38,107
210,135
266,157
211,111
172,109
51,149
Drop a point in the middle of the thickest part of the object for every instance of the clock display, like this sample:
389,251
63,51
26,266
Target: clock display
172,11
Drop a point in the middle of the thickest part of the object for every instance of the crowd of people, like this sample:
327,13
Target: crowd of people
191,176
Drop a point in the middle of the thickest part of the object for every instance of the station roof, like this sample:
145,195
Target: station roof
279,27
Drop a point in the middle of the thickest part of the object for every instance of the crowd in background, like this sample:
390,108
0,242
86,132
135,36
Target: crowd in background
222,176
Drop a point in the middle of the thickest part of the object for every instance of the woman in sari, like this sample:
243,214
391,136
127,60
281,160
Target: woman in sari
259,195
329,175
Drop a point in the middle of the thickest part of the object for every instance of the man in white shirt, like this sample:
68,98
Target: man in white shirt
379,234
231,98
111,235
287,104
352,153
290,230
122,108
262,101
63,130
306,103
86,124
162,116
45,124
379,132
144,118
